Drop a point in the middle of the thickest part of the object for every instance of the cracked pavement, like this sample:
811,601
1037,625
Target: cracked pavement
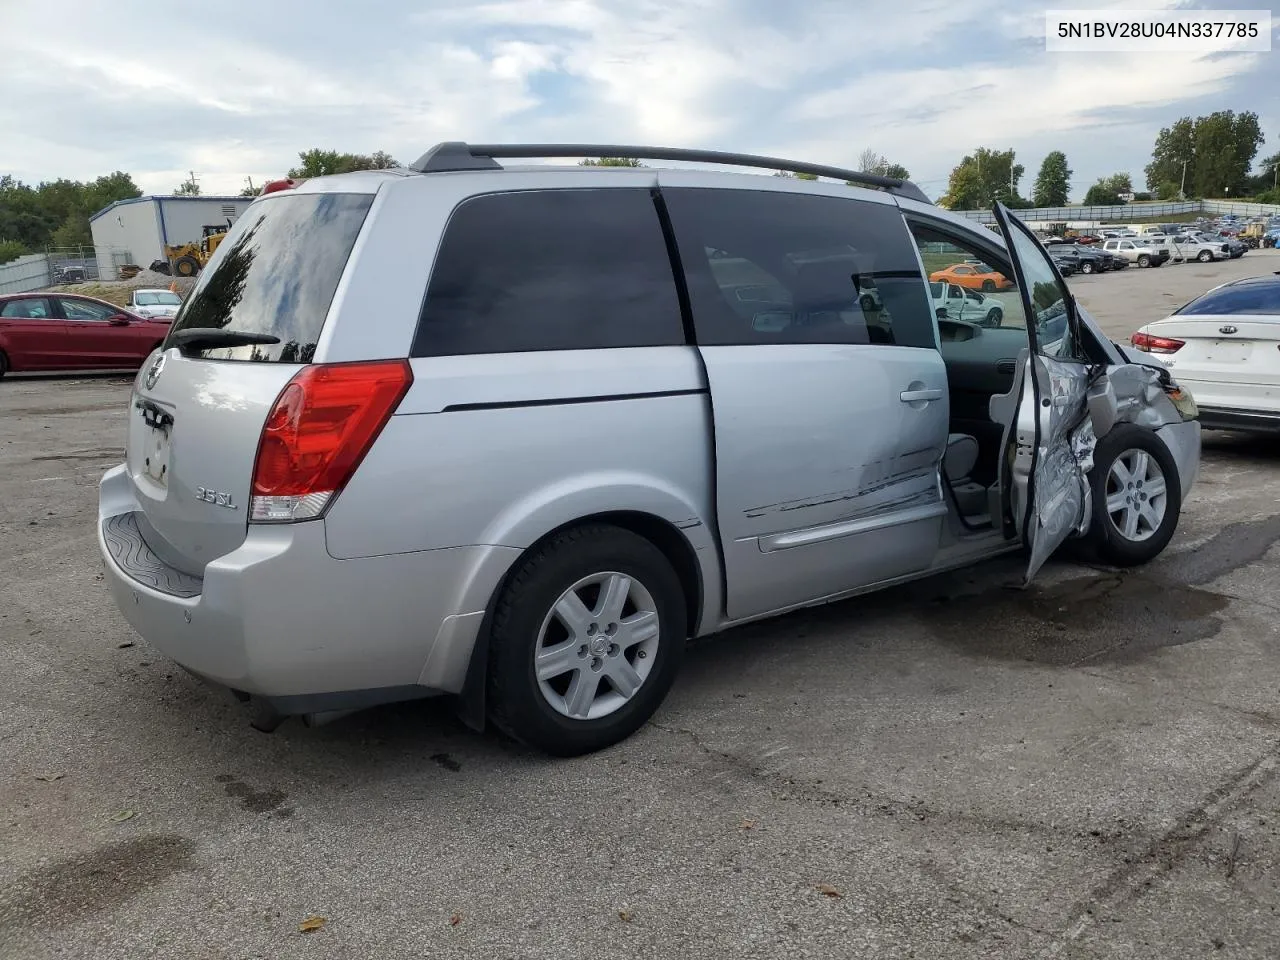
951,769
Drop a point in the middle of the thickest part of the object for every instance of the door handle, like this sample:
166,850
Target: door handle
914,396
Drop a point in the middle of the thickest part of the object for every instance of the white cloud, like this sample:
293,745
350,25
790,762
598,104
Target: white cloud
923,81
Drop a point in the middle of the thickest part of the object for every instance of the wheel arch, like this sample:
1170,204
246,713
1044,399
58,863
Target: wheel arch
702,591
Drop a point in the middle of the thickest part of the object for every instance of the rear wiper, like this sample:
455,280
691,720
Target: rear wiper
196,338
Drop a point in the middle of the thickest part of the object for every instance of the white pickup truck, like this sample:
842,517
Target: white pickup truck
1138,250
1187,247
970,305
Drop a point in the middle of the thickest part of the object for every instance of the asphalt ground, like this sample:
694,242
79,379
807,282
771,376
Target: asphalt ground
1087,768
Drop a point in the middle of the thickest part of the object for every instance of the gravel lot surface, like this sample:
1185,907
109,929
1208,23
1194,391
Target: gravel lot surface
953,769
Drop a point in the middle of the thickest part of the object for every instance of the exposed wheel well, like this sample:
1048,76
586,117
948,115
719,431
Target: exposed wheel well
662,534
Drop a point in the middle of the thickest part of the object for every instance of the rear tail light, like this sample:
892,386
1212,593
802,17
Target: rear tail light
1153,344
319,429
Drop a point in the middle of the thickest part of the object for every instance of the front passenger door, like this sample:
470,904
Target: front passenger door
1051,434
829,404
92,341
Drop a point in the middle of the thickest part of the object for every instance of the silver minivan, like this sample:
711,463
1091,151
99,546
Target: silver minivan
515,433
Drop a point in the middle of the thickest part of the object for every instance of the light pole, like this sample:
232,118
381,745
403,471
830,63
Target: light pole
1182,191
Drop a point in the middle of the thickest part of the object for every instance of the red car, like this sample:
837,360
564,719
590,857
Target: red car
56,331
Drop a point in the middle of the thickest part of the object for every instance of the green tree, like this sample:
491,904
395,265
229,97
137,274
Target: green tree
323,163
107,190
983,178
11,250
1224,147
74,232
187,188
57,211
1214,152
23,218
1267,178
1053,182
1106,192
611,162
1174,146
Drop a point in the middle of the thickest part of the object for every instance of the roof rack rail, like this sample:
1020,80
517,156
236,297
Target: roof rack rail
456,155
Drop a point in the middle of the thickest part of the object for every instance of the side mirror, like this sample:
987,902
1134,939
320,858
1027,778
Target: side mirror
941,313
119,320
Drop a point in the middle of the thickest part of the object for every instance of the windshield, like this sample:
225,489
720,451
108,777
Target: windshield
160,298
276,274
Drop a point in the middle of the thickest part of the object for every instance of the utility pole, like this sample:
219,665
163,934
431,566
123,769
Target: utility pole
1182,191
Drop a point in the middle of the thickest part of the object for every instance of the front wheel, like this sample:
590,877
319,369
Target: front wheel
1205,256
1137,496
186,266
1144,261
995,317
988,286
586,641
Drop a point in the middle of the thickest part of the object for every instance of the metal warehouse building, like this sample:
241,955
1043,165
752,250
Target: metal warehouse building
135,231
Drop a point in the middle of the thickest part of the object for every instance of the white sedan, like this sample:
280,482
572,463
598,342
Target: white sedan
1224,348
154,303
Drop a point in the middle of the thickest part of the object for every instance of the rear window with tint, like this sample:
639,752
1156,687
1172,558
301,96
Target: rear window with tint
551,270
1256,297
276,273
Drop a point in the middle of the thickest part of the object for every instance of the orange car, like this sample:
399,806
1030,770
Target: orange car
975,276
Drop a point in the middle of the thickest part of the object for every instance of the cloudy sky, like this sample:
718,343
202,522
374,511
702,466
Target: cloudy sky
234,89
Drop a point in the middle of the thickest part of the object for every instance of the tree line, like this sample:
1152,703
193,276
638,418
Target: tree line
1196,158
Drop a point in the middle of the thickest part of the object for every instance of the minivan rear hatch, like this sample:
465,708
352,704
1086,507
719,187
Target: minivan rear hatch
252,321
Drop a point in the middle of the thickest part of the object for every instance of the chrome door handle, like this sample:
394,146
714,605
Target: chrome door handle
914,396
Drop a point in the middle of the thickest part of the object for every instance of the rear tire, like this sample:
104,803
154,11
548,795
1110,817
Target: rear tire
4,364
650,629
1144,261
186,267
1086,266
1133,527
989,286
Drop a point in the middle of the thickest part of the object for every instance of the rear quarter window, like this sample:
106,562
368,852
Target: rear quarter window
569,269
276,274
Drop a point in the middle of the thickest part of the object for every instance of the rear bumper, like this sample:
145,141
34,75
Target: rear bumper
1226,418
280,619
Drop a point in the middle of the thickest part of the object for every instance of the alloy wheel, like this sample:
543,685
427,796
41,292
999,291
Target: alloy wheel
1136,495
597,645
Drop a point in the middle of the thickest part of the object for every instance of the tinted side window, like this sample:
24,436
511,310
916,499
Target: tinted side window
767,267
551,270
